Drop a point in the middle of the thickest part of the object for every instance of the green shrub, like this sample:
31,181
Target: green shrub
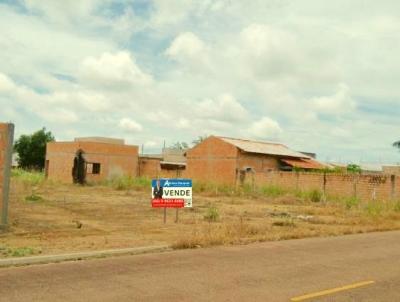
315,196
127,182
33,198
200,187
351,202
214,188
32,178
247,189
272,191
212,214
18,252
353,168
374,208
396,206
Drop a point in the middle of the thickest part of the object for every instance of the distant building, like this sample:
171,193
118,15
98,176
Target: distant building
391,169
15,160
170,163
90,159
309,154
227,160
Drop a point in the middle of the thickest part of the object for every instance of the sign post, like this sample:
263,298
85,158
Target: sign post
171,193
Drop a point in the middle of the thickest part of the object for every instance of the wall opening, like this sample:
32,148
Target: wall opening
96,168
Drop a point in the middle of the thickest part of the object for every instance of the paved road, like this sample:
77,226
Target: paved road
272,271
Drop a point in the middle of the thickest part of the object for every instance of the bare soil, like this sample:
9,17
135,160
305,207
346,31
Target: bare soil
56,218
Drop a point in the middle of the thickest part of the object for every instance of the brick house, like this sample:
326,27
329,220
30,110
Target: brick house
90,159
231,160
170,163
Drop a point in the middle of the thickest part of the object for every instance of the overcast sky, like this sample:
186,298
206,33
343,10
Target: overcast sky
319,76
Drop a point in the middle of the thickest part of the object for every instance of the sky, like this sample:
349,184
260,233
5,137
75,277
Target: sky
318,76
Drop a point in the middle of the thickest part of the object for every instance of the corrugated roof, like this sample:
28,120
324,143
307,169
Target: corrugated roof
303,163
263,147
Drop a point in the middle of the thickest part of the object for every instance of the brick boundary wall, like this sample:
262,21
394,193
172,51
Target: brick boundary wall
365,187
6,148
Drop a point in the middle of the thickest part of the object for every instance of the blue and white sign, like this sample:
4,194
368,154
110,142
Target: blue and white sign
173,189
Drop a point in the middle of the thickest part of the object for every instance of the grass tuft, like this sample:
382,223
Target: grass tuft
33,198
19,251
212,214
272,191
315,196
127,183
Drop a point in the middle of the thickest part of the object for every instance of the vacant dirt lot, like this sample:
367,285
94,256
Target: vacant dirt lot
50,218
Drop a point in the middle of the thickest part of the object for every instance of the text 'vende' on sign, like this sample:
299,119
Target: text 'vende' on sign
171,193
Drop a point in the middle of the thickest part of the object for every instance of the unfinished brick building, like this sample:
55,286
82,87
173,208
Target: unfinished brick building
6,147
170,163
231,160
90,159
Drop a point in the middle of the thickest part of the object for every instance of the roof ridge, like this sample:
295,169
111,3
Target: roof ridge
253,141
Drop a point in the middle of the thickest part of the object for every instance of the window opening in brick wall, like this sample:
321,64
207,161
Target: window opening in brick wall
96,168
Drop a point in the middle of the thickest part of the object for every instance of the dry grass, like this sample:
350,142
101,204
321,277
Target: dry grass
49,217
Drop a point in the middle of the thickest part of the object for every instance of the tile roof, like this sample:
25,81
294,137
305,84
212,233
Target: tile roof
304,163
263,147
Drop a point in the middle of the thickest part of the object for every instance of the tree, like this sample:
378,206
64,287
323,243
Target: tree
31,149
353,168
180,146
396,144
199,139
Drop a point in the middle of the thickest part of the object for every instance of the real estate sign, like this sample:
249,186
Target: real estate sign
171,193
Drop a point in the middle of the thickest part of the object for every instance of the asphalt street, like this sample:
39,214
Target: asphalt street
363,267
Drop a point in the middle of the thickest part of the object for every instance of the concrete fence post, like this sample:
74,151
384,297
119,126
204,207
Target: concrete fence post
355,186
373,195
6,150
324,187
393,186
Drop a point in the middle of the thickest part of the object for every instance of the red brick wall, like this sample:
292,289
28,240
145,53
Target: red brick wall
149,167
5,165
259,162
115,160
213,160
364,187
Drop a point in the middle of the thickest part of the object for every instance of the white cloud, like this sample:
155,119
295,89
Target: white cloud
114,71
6,84
130,125
224,108
191,52
265,128
183,123
58,115
339,103
186,45
283,60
